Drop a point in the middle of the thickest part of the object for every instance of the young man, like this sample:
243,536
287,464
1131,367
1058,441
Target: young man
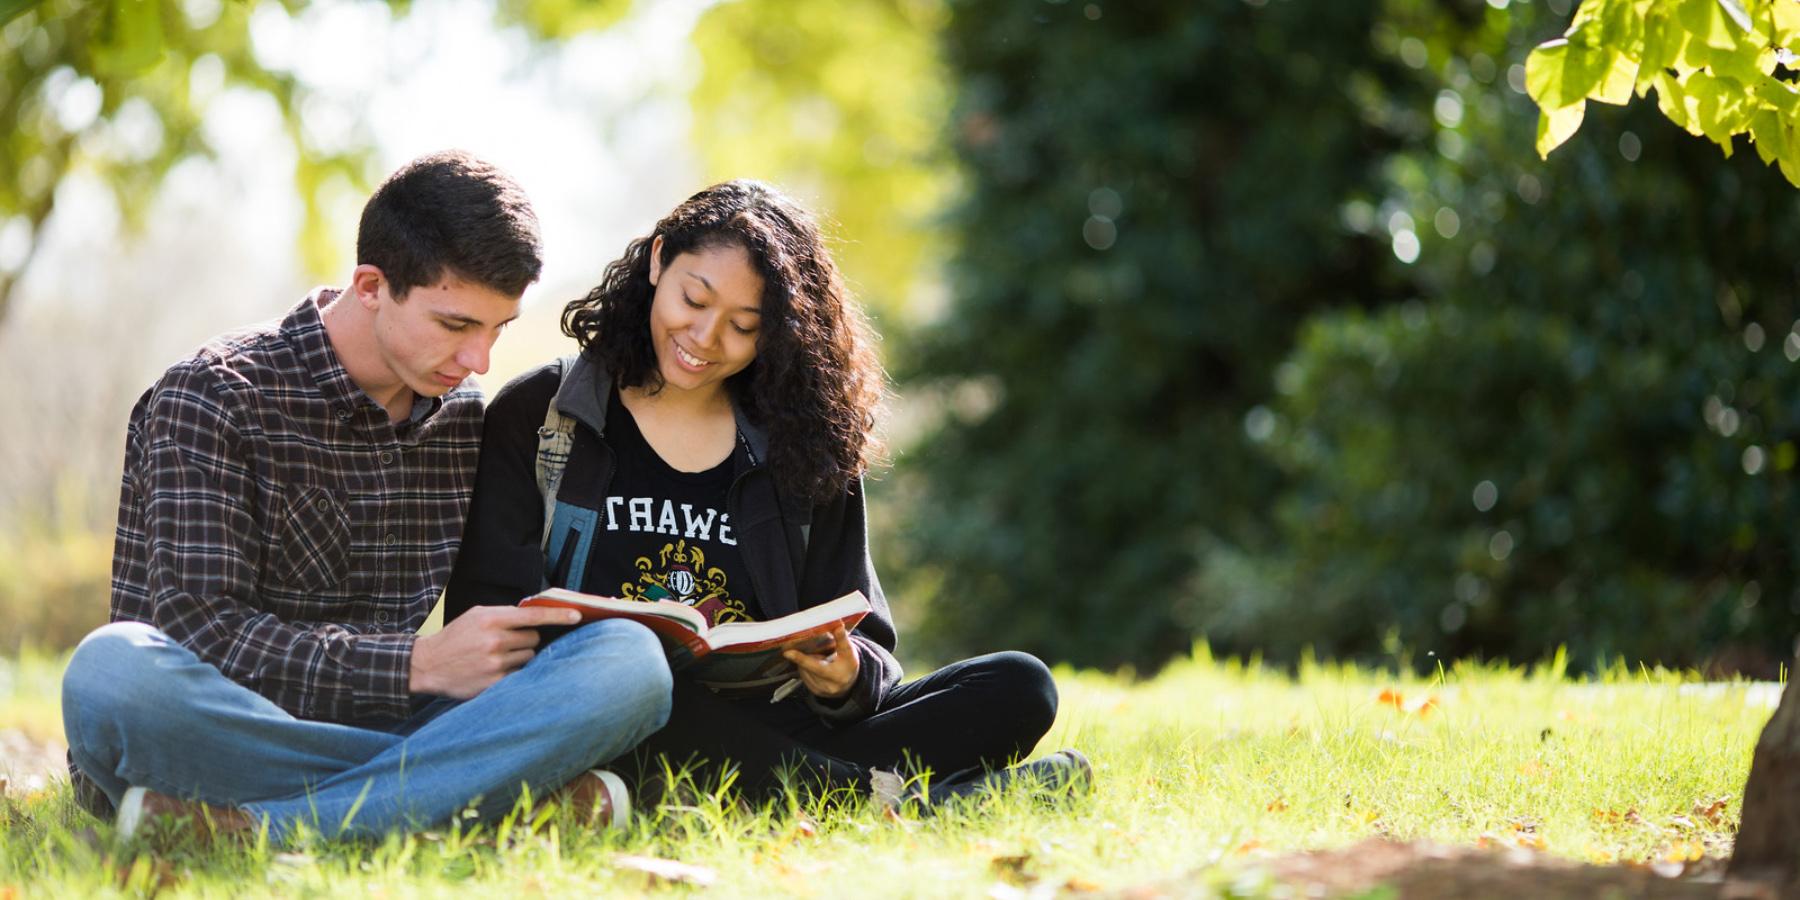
292,500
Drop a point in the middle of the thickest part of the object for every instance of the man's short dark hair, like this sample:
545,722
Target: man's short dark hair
450,213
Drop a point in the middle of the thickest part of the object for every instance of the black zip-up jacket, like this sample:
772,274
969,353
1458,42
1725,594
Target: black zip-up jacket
796,555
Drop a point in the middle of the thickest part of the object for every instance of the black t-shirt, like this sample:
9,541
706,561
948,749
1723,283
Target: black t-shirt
665,534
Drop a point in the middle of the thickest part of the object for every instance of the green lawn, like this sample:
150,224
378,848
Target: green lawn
1202,772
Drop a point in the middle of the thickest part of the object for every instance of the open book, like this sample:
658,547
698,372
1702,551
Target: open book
734,656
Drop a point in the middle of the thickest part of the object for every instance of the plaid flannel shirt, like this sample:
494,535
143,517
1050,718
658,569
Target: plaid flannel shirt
273,520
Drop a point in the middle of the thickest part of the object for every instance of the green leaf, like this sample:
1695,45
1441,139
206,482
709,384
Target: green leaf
1745,64
1767,134
1778,95
1664,42
1784,16
1705,20
1718,108
1558,125
1622,25
130,39
1617,84
1789,155
1544,69
1559,73
1735,12
1672,100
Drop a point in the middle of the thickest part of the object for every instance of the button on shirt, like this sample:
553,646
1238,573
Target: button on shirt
275,522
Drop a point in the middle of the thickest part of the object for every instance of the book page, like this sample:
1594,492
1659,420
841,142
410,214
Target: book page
740,637
594,606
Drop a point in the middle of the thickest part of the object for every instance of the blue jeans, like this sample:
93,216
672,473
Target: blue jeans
142,710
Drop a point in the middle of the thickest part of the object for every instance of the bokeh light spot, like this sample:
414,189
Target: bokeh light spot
1500,546
1485,496
1100,233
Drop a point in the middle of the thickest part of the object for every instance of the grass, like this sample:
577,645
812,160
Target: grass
1202,771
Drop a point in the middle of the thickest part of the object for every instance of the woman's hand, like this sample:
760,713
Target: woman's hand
829,672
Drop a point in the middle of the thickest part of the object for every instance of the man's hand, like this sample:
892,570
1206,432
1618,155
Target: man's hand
831,672
480,648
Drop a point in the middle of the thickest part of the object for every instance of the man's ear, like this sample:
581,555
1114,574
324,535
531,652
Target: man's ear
367,284
655,260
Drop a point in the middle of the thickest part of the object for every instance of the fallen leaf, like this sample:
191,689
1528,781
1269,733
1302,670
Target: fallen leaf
1599,857
1530,842
1391,697
1681,822
667,870
1683,851
896,819
1247,847
1523,825
1276,805
1011,867
1712,812
1081,885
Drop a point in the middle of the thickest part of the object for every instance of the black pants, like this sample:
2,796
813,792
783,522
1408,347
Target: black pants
981,713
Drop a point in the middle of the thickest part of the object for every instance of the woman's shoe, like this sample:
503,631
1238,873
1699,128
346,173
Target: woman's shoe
1059,776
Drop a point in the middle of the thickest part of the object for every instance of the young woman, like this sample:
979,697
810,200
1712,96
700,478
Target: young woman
724,402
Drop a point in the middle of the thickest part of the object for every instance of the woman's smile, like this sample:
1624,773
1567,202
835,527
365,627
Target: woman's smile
688,359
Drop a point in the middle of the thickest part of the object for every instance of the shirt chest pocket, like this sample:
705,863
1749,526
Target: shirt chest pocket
312,549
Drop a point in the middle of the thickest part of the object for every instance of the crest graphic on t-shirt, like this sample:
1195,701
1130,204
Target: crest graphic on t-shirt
680,574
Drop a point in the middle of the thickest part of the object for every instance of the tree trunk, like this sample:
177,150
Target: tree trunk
1768,841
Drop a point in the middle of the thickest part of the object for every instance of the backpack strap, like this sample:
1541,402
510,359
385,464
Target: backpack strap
555,439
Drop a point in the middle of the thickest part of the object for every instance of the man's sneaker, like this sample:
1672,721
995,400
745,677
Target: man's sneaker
140,807
595,797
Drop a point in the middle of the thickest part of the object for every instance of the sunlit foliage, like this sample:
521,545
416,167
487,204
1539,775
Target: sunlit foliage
845,105
1720,68
119,90
841,103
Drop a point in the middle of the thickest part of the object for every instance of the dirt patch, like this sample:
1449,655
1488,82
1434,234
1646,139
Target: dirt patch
27,765
1423,871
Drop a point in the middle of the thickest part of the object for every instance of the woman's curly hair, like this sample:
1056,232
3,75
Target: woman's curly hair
816,383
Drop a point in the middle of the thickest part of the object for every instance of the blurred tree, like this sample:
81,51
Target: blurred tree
1152,208
118,89
1583,432
1532,403
844,104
